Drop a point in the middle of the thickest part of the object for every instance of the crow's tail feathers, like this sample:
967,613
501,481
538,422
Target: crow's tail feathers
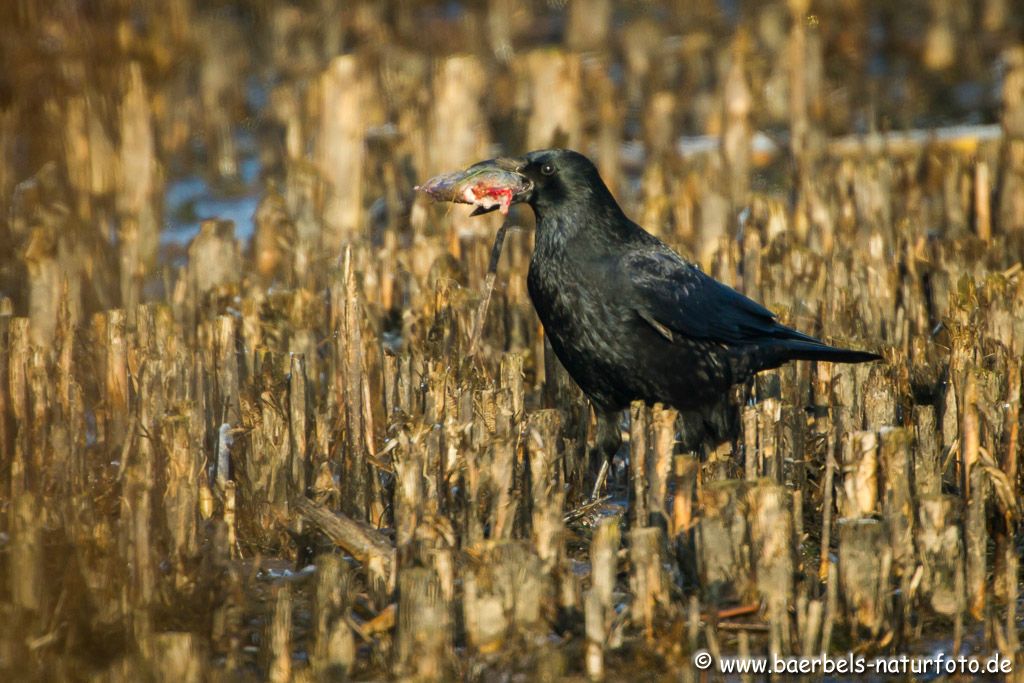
768,355
814,350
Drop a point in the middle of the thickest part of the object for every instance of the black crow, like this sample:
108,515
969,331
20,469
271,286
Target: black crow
628,317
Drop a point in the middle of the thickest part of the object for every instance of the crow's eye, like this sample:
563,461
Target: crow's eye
547,169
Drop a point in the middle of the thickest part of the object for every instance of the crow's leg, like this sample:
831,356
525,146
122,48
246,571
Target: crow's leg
692,431
709,428
609,439
721,421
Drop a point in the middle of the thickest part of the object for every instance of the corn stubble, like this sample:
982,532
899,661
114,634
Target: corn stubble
278,459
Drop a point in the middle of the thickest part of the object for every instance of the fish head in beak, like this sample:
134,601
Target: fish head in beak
489,185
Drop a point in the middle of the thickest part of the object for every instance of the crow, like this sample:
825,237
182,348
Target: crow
628,317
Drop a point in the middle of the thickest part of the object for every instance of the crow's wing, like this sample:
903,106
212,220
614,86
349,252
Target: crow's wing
673,295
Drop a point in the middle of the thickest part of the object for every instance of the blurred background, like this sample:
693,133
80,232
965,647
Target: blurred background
227,319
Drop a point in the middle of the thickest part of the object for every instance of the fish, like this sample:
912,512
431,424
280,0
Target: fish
483,185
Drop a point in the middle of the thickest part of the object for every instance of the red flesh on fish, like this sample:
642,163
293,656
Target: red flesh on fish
484,189
479,193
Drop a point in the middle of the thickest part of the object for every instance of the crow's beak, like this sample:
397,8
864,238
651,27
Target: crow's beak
489,185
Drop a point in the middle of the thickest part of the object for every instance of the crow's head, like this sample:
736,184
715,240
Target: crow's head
559,178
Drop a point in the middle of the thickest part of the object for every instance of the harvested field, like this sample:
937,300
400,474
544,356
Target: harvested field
245,433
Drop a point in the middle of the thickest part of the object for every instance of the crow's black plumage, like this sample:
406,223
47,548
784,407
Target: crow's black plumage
627,316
